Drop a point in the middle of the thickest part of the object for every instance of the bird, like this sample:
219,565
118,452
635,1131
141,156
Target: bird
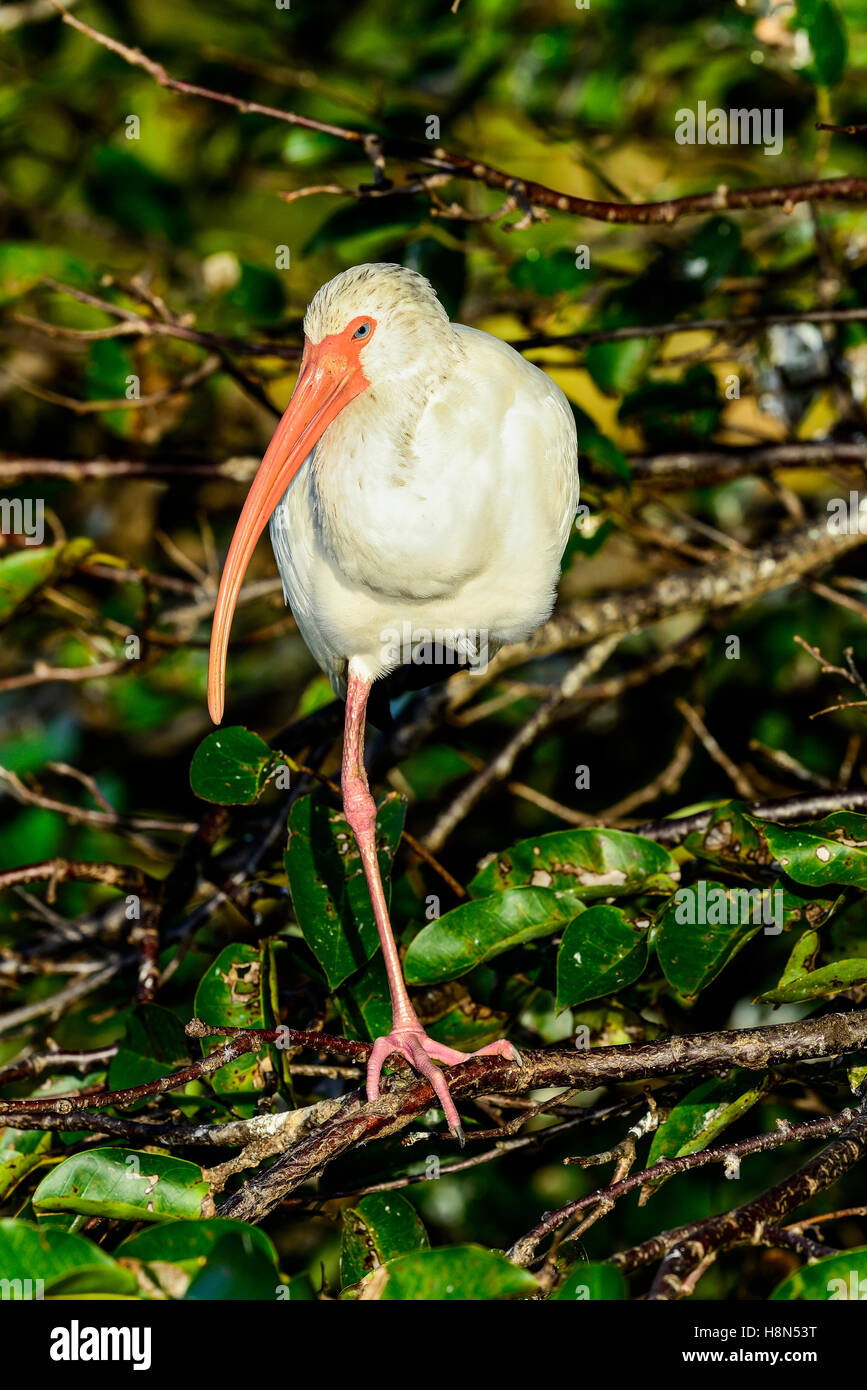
420,488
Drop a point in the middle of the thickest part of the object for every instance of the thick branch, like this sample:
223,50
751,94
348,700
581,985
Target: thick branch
699,1054
708,588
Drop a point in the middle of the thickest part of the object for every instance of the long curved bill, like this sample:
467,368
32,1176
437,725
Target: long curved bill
327,382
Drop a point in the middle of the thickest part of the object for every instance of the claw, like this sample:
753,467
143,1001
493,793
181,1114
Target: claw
414,1045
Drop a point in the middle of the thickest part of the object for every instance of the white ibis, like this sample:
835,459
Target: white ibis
423,480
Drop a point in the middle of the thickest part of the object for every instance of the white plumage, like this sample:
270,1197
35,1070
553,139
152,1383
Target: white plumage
440,498
421,487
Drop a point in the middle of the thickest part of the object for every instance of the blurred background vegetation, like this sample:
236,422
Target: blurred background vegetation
184,226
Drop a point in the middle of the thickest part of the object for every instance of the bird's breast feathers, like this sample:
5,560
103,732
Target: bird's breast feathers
460,506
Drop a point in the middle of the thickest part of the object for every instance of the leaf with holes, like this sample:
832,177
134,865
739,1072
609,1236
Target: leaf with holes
234,991
124,1185
581,865
376,1230
833,850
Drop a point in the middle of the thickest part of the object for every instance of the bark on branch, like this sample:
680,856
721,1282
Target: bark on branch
700,1054
684,1248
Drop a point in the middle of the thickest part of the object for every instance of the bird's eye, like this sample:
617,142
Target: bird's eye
362,331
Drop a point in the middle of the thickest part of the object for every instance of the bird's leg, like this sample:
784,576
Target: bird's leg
407,1037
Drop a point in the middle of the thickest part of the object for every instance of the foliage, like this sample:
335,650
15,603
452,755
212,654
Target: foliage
152,283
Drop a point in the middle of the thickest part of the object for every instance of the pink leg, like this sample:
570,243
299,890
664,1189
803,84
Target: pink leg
407,1037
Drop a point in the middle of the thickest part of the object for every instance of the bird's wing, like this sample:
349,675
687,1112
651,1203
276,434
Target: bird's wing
530,424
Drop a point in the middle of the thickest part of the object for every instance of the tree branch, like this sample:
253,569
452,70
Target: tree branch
700,1054
686,1247
535,198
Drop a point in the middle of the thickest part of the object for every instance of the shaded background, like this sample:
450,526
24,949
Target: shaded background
578,100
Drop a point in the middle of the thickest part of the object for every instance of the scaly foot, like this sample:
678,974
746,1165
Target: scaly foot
418,1049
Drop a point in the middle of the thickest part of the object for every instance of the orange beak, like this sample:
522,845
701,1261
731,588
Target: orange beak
330,377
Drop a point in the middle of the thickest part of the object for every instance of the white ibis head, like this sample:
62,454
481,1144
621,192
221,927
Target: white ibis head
371,328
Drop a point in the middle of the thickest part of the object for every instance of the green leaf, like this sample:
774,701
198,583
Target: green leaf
581,865
601,952
187,1246
124,188
856,1076
25,572
153,1045
823,24
833,850
21,1150
731,836
798,982
710,254
593,1283
376,1230
802,910
468,1026
700,929
834,1279
357,229
443,266
363,1001
479,930
236,1269
258,297
231,766
123,1184
327,883
108,368
547,273
233,991
620,367
29,1253
454,1273
23,265
849,927
703,1114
